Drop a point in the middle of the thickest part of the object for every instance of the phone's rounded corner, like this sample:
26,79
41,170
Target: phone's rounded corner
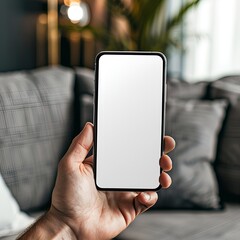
98,188
161,55
99,55
97,185
158,188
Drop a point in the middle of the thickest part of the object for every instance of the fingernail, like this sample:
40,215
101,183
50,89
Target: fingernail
88,123
147,197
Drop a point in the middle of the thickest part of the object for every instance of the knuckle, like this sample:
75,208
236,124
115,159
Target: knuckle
64,164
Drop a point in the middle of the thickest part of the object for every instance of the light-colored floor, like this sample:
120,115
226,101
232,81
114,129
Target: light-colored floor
186,225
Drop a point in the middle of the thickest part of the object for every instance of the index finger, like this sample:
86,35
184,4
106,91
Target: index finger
169,144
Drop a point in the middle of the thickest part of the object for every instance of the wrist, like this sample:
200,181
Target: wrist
57,225
49,226
76,226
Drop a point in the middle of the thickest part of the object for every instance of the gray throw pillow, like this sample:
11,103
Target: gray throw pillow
195,125
228,165
35,130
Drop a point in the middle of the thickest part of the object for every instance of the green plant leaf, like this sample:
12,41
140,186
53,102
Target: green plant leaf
149,27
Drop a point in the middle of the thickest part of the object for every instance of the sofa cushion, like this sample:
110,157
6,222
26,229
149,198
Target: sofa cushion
195,125
228,165
185,225
184,90
35,130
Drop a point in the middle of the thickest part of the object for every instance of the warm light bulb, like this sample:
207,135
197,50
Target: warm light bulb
75,12
78,13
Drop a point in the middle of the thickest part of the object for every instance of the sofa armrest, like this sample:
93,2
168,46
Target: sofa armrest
84,91
86,109
84,81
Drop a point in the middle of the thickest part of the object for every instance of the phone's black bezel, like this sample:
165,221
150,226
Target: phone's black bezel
95,112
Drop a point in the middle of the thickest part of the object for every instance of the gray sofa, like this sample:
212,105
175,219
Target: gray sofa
45,108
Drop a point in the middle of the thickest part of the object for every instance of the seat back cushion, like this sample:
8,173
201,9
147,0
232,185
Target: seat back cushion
228,162
185,90
35,130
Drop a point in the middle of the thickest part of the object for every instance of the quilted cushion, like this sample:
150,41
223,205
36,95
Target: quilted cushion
35,129
195,125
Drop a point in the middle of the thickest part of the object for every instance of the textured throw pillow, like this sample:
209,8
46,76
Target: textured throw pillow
228,162
12,220
35,130
195,125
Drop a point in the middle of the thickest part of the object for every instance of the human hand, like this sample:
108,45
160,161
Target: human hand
92,214
79,210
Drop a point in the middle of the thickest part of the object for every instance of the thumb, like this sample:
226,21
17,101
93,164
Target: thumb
81,145
144,200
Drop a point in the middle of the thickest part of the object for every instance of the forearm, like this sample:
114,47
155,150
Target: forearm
48,227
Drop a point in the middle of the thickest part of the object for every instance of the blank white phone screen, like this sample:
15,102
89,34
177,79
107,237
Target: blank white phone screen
129,121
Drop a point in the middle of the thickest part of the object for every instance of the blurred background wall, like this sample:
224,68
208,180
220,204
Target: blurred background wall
18,33
199,37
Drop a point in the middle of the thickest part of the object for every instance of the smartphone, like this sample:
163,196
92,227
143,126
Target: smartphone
129,111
